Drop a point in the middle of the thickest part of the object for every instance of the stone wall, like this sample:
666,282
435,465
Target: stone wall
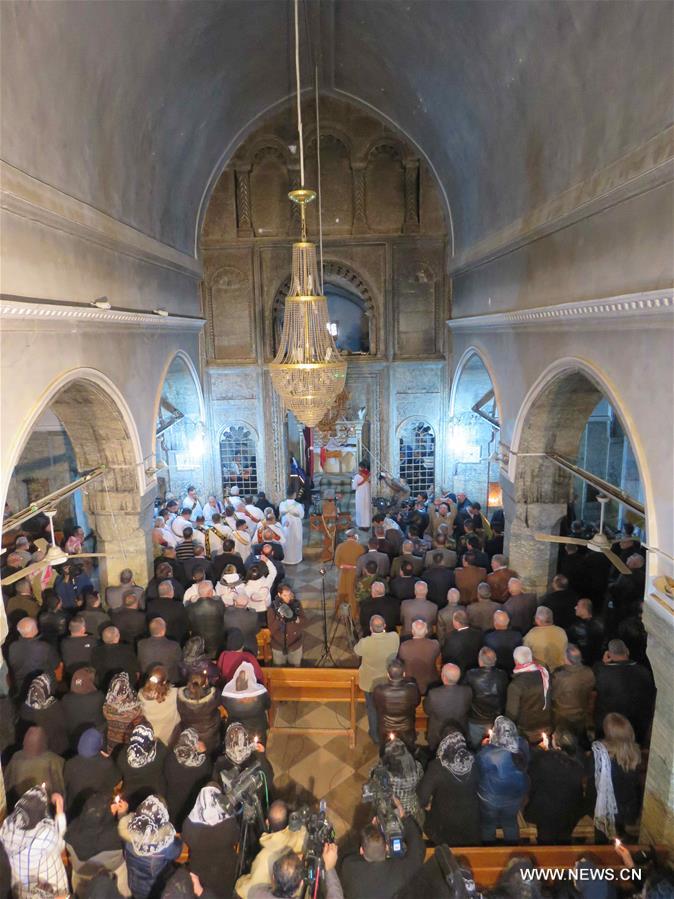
384,237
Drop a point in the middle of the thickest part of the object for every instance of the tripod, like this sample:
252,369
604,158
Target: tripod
251,813
327,643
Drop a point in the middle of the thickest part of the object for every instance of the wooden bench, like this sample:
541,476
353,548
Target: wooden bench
489,862
314,685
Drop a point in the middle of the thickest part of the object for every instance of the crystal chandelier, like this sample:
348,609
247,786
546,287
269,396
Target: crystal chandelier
308,372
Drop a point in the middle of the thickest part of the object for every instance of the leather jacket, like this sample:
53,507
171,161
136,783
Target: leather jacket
489,686
396,703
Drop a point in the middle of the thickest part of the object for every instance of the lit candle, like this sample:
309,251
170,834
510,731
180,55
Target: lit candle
545,742
118,799
490,734
44,785
391,736
617,842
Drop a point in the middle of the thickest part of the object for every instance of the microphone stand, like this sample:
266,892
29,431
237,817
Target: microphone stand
327,651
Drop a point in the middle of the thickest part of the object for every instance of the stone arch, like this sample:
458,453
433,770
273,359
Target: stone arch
336,272
464,360
472,439
418,435
552,418
102,432
180,400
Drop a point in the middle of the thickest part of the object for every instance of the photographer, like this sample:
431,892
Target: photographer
285,619
288,877
370,874
279,840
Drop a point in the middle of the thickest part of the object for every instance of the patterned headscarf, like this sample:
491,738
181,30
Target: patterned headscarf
504,734
142,748
187,750
194,650
150,828
238,746
121,696
208,807
32,808
454,755
40,692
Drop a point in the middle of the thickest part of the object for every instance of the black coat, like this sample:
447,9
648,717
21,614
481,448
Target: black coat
174,614
86,776
139,783
80,712
203,715
503,643
439,579
206,619
213,856
110,659
246,621
444,704
221,561
462,648
588,636
51,720
626,688
454,817
185,784
626,788
361,879
555,795
562,604
27,658
386,606
76,652
489,686
252,713
131,624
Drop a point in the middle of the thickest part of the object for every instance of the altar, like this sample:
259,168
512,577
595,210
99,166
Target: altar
338,454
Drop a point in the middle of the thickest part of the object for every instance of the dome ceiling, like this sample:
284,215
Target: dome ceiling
133,107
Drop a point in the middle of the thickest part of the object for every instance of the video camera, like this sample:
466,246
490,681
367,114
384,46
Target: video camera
379,792
241,791
319,832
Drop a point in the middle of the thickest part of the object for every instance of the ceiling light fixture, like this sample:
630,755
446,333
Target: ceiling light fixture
308,372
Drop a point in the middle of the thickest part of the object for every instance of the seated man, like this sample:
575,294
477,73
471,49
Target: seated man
370,875
463,643
586,632
396,702
157,649
407,555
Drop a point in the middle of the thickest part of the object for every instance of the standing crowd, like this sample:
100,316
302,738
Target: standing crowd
125,715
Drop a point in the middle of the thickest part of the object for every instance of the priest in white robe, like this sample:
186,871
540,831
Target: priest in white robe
361,484
191,502
292,513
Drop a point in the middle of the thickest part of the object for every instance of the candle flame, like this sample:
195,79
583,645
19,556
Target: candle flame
545,742
391,736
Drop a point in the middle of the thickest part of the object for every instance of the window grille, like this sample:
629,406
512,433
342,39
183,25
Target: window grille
417,456
238,460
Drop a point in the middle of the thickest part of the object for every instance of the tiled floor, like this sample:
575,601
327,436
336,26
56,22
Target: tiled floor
309,768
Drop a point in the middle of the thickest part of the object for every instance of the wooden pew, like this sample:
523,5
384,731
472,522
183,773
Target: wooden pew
488,862
313,685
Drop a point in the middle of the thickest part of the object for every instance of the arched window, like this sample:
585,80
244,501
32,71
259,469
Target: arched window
417,455
238,459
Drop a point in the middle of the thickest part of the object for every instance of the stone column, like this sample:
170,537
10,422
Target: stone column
411,224
534,560
657,820
359,213
244,222
124,534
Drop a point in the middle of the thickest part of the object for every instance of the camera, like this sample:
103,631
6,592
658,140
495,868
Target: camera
379,792
319,832
241,791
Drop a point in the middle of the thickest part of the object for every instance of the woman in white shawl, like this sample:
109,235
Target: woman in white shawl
150,845
34,841
247,701
292,514
212,835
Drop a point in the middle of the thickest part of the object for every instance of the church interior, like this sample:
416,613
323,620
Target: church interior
316,280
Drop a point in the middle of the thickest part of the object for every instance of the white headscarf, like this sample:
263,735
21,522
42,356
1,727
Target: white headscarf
606,807
208,808
252,686
150,828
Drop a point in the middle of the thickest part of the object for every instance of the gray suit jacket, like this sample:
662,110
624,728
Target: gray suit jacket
443,704
382,560
160,651
114,596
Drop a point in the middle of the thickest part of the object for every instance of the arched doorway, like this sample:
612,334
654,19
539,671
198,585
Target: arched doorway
83,425
180,433
570,418
350,306
473,433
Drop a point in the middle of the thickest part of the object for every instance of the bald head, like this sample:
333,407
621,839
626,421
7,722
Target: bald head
377,624
501,620
450,674
419,629
165,590
27,627
157,627
635,561
420,590
377,589
110,635
205,590
515,586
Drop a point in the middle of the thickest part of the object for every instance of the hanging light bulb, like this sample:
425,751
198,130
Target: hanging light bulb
308,372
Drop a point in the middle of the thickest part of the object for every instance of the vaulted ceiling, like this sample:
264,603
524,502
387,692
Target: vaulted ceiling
133,105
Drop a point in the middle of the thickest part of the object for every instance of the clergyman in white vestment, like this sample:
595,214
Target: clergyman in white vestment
292,513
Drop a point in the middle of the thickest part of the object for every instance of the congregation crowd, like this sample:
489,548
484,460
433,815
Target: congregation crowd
122,711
